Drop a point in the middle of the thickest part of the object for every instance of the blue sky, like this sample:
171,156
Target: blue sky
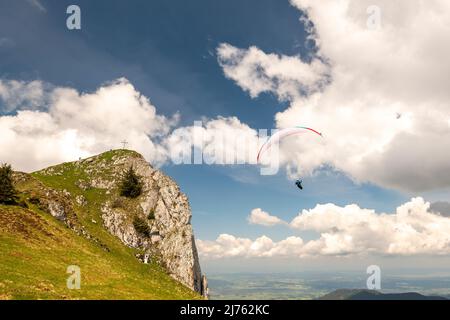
167,50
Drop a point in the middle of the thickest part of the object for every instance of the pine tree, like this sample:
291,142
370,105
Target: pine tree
131,185
8,194
141,226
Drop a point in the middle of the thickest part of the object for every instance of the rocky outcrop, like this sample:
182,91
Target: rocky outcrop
162,210
205,289
161,206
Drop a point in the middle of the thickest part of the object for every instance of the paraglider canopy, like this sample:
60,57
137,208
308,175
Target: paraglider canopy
276,137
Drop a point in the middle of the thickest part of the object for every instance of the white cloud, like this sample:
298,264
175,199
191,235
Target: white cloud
51,124
385,111
412,230
258,216
228,246
78,124
222,141
257,72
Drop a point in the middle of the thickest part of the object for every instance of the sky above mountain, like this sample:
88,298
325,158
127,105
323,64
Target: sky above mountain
372,77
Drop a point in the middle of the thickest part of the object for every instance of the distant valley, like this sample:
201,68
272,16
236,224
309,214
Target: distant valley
316,285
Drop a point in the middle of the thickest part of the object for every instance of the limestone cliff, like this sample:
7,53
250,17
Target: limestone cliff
162,207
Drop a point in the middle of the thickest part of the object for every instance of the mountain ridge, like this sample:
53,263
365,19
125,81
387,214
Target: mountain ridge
83,195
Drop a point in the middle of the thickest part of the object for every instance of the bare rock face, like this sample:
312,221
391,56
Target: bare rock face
161,206
158,222
205,289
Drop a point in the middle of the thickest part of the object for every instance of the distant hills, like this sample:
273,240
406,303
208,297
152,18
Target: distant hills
364,294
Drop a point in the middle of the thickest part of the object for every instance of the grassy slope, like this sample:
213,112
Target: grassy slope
36,249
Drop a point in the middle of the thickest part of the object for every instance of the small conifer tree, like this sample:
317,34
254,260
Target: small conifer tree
8,194
141,226
131,185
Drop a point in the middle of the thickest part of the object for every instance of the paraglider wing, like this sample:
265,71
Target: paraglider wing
276,137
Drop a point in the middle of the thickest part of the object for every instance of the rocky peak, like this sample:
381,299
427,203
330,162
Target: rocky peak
162,211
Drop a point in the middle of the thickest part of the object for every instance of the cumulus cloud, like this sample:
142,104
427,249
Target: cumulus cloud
381,99
257,72
258,216
45,125
76,124
412,230
228,246
214,141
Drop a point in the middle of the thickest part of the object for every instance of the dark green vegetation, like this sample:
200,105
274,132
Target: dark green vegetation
151,214
8,194
131,185
141,226
36,248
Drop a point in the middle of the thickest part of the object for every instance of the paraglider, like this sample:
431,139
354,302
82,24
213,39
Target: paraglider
276,137
281,134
